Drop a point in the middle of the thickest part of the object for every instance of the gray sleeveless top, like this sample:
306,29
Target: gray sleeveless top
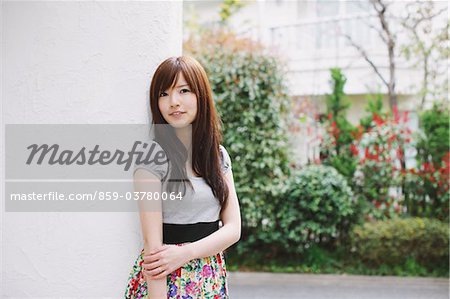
198,205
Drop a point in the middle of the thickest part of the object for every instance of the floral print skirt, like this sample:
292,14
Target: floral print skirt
204,278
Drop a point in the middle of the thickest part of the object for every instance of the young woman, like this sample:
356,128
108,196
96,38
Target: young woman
183,240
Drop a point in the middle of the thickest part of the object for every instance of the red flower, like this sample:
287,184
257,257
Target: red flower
354,149
377,148
358,133
378,120
396,114
405,116
446,159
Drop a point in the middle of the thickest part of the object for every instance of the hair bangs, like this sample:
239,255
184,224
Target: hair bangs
168,76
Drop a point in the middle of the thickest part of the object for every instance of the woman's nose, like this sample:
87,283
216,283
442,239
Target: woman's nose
174,99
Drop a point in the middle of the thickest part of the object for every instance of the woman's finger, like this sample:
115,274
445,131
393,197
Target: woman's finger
151,258
154,271
152,265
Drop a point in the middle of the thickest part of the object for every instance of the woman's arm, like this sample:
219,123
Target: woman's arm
151,225
227,235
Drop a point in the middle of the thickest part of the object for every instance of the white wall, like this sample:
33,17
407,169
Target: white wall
77,62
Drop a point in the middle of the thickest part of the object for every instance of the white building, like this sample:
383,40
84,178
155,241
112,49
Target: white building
309,35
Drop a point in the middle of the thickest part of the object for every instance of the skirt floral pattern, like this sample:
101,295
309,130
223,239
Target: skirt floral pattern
204,278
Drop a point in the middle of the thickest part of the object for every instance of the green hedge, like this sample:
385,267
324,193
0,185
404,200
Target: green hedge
316,208
393,242
435,124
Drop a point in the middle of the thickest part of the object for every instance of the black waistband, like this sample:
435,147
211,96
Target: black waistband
182,233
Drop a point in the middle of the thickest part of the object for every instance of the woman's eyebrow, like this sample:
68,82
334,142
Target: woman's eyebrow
182,85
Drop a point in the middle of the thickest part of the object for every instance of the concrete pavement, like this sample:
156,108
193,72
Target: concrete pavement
248,285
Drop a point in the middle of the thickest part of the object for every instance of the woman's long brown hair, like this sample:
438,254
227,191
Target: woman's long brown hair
206,128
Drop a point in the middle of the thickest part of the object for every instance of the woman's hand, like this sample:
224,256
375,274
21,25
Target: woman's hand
164,260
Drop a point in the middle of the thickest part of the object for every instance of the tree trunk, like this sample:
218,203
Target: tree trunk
425,81
391,87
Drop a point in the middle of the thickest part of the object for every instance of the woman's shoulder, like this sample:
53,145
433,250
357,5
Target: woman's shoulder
225,159
152,157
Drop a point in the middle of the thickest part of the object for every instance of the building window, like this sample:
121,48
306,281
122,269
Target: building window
327,8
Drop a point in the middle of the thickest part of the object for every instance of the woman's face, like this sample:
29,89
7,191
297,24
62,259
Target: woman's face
178,98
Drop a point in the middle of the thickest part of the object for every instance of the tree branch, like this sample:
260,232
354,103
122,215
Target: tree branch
366,58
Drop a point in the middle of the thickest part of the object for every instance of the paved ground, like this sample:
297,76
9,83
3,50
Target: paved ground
245,285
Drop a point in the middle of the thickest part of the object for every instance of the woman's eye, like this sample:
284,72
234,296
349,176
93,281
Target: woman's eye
162,94
184,90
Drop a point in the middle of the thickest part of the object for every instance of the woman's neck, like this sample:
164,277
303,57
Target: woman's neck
185,136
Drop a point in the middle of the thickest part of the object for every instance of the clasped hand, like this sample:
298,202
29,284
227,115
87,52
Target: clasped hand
164,260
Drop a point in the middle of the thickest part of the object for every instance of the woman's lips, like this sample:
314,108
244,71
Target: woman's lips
177,114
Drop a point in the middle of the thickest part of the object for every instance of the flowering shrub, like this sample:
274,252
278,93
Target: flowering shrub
427,189
372,157
427,186
379,174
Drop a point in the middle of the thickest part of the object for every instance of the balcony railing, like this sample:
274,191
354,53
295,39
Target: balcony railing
324,36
